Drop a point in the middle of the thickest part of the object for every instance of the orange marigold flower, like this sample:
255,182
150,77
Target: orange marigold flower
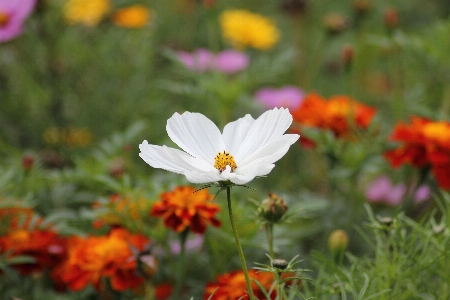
135,16
339,114
163,291
232,286
184,207
15,217
120,209
424,144
93,258
20,236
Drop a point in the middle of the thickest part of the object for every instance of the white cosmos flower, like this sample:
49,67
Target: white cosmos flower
247,148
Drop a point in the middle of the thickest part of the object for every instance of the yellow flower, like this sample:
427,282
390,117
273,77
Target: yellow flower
135,16
88,12
69,136
245,29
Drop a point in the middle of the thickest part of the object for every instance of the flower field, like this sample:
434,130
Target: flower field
224,149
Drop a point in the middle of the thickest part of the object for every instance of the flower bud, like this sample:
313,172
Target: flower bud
272,208
347,55
209,3
335,23
391,18
338,241
27,162
279,264
362,6
147,264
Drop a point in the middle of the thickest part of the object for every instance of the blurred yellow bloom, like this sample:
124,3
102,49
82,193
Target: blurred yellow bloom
88,12
246,29
69,136
135,16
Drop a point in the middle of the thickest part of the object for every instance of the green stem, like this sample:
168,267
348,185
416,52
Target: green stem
181,265
279,287
269,232
239,247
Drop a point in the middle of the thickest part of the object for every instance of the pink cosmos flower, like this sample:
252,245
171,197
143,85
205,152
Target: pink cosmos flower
381,190
201,60
13,14
231,61
289,97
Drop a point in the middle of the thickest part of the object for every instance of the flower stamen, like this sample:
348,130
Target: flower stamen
4,19
224,159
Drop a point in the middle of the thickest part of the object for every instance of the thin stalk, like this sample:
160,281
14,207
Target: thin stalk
279,287
269,232
239,247
181,266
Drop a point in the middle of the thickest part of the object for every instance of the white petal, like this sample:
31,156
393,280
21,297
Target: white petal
268,127
241,179
270,152
170,159
203,177
195,134
235,133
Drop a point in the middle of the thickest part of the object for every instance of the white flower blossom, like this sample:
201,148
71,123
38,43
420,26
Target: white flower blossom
246,149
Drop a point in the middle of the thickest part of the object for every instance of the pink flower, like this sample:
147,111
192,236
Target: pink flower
192,244
289,97
201,60
423,193
381,190
13,13
231,61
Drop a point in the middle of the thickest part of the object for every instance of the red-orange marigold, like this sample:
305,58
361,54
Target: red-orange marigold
93,258
184,207
424,144
340,114
21,234
232,286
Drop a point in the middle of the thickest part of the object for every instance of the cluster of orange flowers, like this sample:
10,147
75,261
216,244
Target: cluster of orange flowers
185,208
22,235
120,209
91,12
232,286
424,143
340,114
91,259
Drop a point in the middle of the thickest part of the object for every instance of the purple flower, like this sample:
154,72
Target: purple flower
381,190
13,13
423,193
231,61
192,244
289,97
201,60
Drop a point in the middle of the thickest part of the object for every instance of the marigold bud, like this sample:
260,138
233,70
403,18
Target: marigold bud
272,208
362,6
338,241
147,264
347,55
335,23
27,162
391,17
209,3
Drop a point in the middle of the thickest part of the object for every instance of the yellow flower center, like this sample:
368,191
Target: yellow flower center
4,19
438,131
20,237
224,159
